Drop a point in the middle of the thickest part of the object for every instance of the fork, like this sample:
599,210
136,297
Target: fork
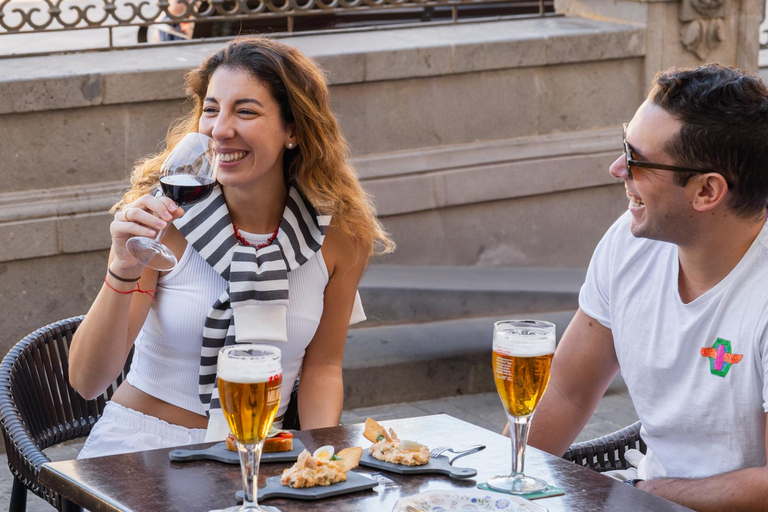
436,452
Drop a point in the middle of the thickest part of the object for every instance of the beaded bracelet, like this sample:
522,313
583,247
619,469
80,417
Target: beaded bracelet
137,289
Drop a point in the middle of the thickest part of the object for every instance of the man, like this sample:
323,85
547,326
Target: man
676,296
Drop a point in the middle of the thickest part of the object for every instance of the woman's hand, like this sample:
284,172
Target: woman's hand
144,217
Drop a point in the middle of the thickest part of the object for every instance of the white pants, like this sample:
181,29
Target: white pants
123,430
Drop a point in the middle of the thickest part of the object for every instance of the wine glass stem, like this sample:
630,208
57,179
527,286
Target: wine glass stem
250,457
161,233
519,435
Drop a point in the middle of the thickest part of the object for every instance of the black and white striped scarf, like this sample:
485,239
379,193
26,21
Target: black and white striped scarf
255,303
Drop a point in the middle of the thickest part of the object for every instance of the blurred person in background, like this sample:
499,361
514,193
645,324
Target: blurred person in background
170,30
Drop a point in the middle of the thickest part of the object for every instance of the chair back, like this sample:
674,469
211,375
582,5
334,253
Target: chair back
38,407
291,418
607,453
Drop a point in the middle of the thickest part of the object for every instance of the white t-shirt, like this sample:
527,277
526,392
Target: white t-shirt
701,414
166,359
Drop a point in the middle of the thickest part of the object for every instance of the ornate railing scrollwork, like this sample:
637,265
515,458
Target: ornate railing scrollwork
63,15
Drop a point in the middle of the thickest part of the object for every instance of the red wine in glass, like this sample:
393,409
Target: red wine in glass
188,175
186,189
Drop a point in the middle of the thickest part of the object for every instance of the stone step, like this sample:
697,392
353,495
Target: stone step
422,361
395,294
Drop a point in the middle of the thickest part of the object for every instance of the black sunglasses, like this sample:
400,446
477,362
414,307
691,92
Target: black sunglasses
631,162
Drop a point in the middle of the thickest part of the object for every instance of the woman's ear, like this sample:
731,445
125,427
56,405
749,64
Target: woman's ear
292,140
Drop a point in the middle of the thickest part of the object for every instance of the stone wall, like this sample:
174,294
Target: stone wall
683,32
482,143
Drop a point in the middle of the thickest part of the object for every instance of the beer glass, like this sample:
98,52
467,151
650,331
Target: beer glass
250,379
522,356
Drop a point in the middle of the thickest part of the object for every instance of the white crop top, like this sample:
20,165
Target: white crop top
166,359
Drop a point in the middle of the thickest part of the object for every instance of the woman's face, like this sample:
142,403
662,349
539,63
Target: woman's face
241,115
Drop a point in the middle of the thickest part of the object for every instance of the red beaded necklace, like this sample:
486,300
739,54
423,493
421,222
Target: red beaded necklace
246,242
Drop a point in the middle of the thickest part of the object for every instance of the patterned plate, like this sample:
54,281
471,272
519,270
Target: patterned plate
465,501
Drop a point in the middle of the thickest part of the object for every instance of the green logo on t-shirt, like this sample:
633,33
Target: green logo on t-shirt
720,357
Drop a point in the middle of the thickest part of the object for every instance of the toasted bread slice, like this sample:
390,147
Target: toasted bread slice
350,457
282,442
373,430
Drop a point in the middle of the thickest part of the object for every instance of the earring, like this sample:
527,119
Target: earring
289,145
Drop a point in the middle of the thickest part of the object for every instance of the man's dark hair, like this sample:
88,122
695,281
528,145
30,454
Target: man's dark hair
724,112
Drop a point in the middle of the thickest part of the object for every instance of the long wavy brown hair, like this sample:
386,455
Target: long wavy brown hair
318,166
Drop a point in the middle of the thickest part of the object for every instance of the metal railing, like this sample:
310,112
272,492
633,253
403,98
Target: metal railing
213,18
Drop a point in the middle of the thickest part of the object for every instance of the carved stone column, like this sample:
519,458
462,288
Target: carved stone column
683,32
703,27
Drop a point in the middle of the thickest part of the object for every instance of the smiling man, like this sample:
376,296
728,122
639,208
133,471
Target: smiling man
676,296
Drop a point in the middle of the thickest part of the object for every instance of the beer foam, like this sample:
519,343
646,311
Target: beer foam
510,346
244,370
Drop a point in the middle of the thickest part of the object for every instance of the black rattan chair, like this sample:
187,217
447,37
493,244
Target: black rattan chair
607,453
291,418
38,408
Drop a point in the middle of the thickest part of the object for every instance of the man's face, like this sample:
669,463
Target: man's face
660,208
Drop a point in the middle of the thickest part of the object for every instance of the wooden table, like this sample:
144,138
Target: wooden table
150,481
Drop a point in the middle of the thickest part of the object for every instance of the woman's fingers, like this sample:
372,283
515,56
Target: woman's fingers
175,210
151,211
150,219
161,207
125,228
145,217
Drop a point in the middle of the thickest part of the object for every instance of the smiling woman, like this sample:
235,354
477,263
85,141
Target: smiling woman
245,121
273,255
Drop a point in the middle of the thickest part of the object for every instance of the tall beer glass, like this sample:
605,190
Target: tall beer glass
522,356
250,378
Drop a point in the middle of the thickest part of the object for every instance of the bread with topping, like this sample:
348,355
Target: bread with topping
280,442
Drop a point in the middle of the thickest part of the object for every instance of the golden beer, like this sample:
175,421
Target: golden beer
250,407
522,358
521,381
250,378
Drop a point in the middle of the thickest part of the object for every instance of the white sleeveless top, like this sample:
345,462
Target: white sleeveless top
166,359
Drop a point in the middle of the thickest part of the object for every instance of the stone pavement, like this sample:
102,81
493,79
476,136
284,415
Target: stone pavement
614,411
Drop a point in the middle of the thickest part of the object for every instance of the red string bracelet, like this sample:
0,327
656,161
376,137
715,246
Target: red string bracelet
138,289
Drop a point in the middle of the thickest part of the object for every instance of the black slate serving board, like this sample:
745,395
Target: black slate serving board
437,465
274,489
220,453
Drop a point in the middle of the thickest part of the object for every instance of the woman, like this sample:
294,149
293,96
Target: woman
267,108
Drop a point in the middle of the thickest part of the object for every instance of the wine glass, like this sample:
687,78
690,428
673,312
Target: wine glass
250,379
188,176
522,357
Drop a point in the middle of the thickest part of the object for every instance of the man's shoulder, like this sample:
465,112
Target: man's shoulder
755,261
762,239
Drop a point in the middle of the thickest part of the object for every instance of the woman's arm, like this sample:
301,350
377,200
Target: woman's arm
321,390
104,339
